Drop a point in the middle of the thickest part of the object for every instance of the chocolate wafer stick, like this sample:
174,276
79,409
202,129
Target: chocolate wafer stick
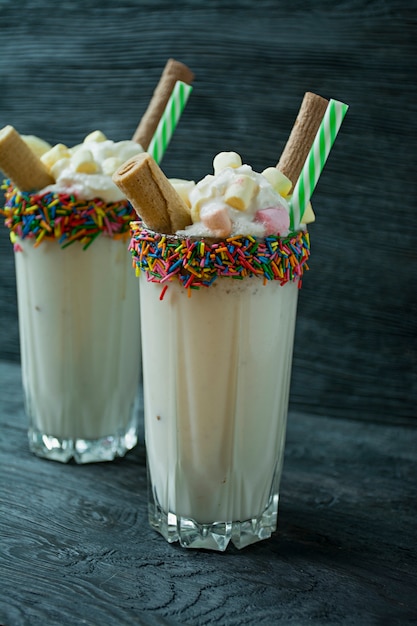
151,194
20,164
173,71
302,136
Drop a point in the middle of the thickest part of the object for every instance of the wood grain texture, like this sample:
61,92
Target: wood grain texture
76,547
95,64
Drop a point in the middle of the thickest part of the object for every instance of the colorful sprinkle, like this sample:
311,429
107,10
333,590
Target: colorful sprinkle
62,217
197,263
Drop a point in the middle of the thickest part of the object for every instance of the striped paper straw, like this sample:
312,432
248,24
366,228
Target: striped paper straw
316,158
169,120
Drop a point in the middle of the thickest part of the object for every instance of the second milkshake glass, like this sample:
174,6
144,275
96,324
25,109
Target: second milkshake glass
78,306
80,348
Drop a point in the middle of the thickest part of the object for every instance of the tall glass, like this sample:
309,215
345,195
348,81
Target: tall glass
80,348
216,367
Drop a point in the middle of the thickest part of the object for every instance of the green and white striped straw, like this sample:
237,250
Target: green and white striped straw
169,120
316,158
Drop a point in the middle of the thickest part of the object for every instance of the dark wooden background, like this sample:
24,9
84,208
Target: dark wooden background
70,67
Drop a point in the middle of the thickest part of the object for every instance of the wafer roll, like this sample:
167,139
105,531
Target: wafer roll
302,136
152,195
20,164
173,71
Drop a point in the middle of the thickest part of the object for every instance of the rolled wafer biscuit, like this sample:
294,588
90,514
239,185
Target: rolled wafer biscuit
152,195
20,163
302,135
173,71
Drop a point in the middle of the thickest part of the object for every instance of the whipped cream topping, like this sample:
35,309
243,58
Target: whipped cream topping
236,200
86,169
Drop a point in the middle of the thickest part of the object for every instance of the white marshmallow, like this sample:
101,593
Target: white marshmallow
278,180
226,159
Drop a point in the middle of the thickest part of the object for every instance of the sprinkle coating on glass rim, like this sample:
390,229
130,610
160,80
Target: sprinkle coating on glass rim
62,217
199,262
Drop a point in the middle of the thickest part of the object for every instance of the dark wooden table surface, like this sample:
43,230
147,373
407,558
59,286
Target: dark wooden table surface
76,547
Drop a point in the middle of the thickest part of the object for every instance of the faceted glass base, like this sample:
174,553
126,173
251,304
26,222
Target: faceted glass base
85,450
217,535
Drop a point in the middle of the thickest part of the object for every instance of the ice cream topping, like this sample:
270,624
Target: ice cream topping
240,228
86,169
236,200
82,203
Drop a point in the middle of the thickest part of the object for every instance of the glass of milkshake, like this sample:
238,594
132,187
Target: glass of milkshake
78,301
218,312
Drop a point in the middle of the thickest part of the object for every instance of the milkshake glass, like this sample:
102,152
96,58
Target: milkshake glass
219,290
78,302
80,348
216,370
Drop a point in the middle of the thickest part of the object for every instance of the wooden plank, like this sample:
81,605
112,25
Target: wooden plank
76,546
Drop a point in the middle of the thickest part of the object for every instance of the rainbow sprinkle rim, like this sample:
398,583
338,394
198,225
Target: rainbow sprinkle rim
197,263
62,217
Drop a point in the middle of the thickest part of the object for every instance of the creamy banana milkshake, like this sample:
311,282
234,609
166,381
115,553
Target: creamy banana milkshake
78,317
78,302
218,310
215,435
220,265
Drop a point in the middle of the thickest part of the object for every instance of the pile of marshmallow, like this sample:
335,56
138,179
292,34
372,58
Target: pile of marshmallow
86,169
237,200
